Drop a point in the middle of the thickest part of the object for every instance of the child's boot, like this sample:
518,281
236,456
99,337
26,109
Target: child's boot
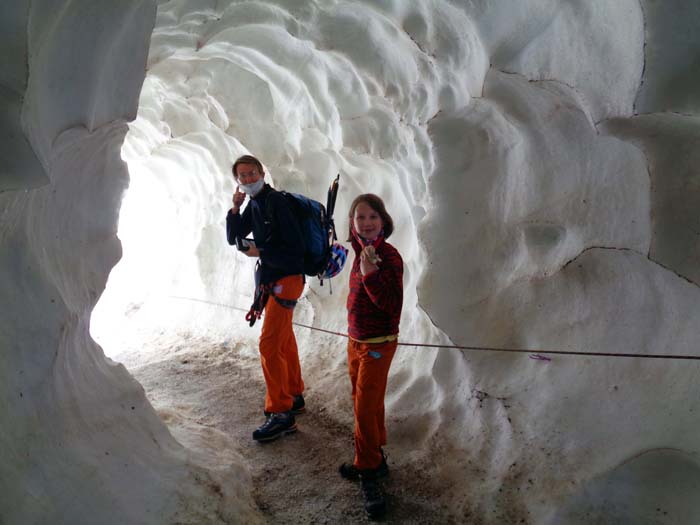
375,504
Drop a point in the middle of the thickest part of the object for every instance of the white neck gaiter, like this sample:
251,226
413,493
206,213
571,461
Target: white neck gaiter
252,189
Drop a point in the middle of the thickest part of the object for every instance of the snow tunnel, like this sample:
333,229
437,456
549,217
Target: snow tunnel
537,156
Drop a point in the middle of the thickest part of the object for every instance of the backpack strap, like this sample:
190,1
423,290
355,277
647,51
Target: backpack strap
269,216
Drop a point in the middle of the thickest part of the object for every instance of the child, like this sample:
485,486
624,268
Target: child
374,309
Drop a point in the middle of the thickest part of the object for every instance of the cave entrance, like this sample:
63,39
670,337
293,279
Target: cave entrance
176,266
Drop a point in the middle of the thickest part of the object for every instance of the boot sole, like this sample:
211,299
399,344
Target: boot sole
284,432
376,515
384,473
293,412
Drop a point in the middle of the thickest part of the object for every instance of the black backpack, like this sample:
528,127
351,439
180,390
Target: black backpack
317,228
318,231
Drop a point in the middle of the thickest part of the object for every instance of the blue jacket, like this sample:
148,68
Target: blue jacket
276,233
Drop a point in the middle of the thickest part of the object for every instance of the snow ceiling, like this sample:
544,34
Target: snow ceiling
539,158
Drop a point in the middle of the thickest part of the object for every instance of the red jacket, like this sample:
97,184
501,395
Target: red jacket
375,300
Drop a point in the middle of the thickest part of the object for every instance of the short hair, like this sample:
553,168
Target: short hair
247,159
377,204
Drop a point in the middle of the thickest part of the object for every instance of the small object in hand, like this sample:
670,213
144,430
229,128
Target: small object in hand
371,255
244,245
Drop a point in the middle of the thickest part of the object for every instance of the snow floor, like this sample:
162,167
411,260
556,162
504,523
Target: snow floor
205,388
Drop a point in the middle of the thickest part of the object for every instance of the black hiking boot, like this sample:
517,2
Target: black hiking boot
276,425
351,472
375,504
298,406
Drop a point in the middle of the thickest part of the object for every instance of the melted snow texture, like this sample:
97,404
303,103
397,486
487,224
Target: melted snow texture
533,209
80,443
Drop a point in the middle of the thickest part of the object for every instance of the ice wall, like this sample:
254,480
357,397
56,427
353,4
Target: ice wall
79,443
536,155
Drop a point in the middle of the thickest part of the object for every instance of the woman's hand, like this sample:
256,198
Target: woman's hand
252,252
238,199
369,260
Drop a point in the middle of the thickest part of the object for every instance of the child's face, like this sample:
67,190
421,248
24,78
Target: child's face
368,224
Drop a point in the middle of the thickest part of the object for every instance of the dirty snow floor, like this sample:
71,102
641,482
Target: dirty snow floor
195,383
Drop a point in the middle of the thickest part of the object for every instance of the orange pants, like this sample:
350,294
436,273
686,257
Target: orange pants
278,348
368,365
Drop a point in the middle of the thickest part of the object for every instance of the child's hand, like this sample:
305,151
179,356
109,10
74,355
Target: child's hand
370,254
369,260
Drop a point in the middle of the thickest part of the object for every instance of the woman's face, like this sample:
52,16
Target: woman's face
368,223
248,174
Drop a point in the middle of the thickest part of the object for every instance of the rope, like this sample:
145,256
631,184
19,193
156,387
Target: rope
533,354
